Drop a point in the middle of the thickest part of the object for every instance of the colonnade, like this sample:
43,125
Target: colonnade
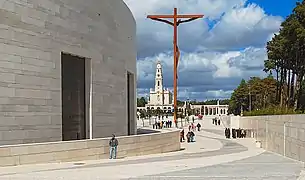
212,110
205,110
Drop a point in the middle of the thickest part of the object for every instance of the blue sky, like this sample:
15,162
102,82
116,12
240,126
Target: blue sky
217,51
273,7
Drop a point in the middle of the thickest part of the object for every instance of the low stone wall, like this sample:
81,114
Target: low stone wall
282,134
67,151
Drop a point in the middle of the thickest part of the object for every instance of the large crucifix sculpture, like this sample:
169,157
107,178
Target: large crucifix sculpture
176,22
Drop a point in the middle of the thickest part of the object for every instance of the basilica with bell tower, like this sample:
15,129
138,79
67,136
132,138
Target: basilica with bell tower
159,97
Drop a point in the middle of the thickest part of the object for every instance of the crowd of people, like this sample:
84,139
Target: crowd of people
216,121
190,135
162,124
236,133
192,127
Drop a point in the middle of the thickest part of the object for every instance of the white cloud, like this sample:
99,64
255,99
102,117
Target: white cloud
206,74
210,8
224,70
243,26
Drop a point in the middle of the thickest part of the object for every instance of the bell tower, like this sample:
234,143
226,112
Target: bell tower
159,78
159,84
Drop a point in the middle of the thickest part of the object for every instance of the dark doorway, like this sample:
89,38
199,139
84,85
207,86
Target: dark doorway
73,97
130,104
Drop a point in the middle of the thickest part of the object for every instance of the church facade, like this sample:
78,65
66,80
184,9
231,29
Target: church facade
160,97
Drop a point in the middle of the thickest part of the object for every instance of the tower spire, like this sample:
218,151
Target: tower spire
159,77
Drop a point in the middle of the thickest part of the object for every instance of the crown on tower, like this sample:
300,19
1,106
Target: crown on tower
158,65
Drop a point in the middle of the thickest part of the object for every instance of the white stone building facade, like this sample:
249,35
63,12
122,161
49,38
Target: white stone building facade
160,97
207,110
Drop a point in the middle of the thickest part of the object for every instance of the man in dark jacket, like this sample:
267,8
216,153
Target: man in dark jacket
113,144
198,126
182,135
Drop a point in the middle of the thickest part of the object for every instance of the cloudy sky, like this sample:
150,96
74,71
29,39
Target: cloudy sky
228,44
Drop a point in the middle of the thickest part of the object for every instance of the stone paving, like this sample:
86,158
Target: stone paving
210,157
264,166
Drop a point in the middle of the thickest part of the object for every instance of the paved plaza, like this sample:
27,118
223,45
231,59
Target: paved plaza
210,157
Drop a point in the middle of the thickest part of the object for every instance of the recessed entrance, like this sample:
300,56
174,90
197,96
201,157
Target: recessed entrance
130,104
73,88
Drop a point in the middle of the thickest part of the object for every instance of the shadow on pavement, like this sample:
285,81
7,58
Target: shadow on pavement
146,131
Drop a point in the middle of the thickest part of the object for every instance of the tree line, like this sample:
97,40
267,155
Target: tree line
284,88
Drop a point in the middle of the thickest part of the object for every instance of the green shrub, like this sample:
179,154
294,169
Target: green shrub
272,111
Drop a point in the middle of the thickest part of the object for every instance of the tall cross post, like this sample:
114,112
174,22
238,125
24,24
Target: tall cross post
177,20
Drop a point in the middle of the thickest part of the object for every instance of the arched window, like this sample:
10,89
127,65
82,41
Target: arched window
158,83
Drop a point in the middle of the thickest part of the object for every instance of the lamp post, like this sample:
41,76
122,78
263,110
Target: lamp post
187,106
250,106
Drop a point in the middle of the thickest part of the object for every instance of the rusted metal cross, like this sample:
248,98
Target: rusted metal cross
176,22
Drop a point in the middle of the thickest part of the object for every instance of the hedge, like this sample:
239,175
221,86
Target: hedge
272,111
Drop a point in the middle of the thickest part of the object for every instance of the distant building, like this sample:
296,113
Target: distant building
160,97
207,110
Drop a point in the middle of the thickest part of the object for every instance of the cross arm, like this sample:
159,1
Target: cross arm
160,16
187,20
162,20
190,16
185,16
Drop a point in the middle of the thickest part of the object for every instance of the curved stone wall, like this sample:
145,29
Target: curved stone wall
33,34
95,149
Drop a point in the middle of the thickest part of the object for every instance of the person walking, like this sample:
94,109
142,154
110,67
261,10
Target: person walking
193,127
182,135
192,136
198,126
188,137
113,144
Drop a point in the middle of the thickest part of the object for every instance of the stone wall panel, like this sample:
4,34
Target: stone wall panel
33,34
290,143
